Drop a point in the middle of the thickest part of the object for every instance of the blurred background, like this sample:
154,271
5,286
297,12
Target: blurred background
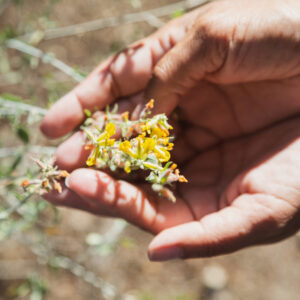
46,47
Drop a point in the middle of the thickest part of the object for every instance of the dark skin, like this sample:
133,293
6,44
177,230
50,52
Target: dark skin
232,74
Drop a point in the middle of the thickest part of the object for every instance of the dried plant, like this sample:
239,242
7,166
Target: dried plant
116,142
49,178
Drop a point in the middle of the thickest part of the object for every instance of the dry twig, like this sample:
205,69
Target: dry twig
49,257
9,107
45,57
13,151
151,16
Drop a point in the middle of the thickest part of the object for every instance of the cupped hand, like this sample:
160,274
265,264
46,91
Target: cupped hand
232,70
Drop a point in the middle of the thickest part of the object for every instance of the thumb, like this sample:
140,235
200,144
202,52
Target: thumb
199,54
252,220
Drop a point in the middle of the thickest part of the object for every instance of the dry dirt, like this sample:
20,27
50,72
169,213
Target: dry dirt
259,273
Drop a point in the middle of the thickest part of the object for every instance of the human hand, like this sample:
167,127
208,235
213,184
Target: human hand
232,68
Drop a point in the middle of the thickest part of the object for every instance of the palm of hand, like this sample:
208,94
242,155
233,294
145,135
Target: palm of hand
237,144
239,158
240,161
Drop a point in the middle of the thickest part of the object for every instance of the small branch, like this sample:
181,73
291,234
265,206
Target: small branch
113,235
4,215
13,151
11,107
45,58
110,238
154,21
108,290
50,258
144,16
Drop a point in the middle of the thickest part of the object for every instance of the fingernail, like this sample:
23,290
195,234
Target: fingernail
67,182
166,254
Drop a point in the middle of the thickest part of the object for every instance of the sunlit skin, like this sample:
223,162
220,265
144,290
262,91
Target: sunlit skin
231,70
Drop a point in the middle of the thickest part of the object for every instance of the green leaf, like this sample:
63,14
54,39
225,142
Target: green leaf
167,165
82,73
38,287
18,2
88,113
127,242
23,289
16,163
105,249
152,177
23,134
146,295
115,109
11,97
7,33
178,13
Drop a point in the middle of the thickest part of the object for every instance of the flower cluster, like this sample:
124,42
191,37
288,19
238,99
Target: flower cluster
117,142
49,178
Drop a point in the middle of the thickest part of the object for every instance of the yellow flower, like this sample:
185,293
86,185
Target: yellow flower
143,147
104,138
150,104
170,146
147,145
93,157
152,166
125,116
110,129
173,167
126,147
182,179
127,167
159,132
162,153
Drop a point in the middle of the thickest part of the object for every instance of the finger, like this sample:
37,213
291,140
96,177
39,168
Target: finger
127,201
72,154
123,74
252,220
189,61
70,199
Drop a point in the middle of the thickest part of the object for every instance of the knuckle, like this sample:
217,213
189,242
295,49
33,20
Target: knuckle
253,182
161,72
213,45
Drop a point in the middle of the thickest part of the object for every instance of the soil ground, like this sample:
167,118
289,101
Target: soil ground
259,273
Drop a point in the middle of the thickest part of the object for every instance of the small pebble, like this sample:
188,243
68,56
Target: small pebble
214,277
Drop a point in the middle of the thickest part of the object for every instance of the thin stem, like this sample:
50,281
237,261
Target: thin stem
113,235
7,213
49,257
45,58
154,21
151,16
13,151
12,106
